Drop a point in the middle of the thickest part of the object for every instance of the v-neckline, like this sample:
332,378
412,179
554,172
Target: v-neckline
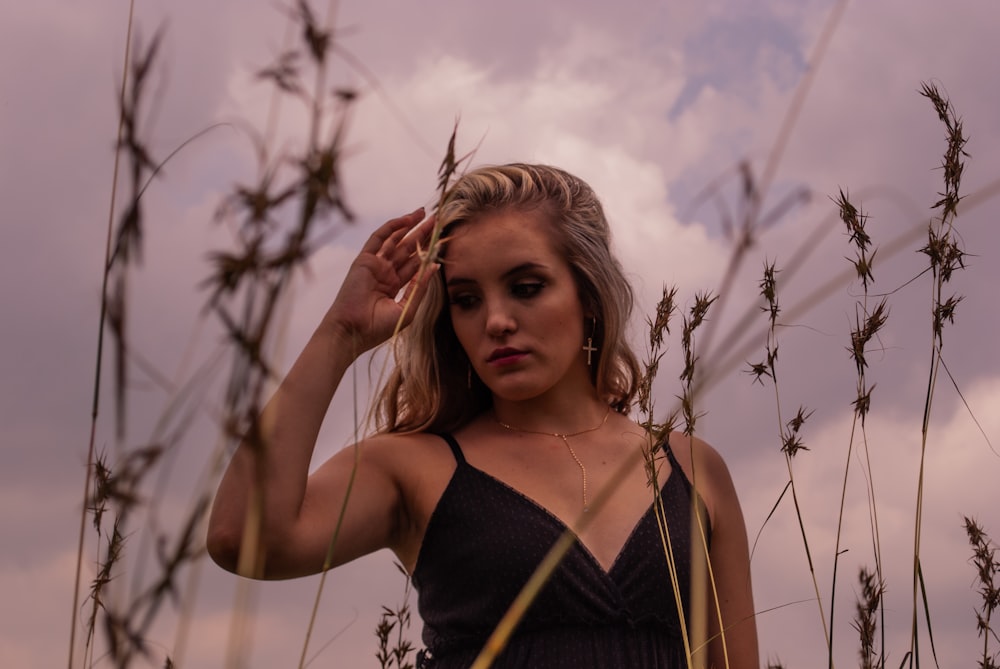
563,526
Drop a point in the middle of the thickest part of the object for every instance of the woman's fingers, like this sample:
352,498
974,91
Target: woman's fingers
399,242
389,229
406,245
391,261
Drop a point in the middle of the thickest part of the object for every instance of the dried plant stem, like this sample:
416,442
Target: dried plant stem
668,552
788,433
987,570
328,560
321,64
702,575
876,545
448,168
757,192
805,540
656,433
702,581
100,348
836,545
240,628
314,127
945,256
734,353
918,516
809,560
801,93
879,575
868,602
869,322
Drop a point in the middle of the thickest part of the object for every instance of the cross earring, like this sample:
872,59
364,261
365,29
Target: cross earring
590,348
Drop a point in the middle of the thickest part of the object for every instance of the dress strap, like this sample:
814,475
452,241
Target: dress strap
671,457
674,465
453,445
687,485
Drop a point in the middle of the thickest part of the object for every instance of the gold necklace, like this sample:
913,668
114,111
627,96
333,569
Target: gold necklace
565,440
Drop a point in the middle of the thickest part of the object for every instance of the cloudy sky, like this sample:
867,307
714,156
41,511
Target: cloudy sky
655,104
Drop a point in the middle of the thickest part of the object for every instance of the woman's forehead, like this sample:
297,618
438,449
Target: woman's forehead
499,242
502,230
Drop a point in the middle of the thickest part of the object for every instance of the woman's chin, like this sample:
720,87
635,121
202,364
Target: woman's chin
510,390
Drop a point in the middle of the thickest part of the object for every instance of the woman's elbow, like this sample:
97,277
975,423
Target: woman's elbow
226,544
223,545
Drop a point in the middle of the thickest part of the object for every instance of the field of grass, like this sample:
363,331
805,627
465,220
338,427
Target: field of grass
149,560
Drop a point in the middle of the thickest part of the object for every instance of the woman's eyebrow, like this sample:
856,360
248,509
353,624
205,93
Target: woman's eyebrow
524,267
458,281
513,271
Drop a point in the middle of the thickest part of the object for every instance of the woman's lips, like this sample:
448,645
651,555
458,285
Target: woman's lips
506,356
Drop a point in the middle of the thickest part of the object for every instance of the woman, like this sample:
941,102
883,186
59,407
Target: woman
505,415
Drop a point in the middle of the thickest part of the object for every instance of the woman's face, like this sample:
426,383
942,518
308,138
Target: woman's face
514,306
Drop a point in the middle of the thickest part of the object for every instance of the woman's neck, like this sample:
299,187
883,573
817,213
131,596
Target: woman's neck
557,415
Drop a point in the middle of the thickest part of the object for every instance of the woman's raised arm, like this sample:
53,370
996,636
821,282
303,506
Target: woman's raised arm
270,518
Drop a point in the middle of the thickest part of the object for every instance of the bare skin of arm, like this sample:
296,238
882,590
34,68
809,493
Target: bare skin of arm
730,559
269,489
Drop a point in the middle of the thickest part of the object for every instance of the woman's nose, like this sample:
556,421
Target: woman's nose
499,320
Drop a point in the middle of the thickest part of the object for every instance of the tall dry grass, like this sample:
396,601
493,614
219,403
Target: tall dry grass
297,203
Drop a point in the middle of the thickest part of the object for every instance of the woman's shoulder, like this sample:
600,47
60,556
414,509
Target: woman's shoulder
407,457
688,448
402,445
705,468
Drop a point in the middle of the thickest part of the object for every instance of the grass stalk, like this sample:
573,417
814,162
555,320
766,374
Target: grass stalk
868,605
788,433
988,577
262,281
394,650
653,454
99,357
868,324
702,576
755,192
945,256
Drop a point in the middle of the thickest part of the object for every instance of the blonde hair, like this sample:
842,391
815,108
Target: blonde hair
429,388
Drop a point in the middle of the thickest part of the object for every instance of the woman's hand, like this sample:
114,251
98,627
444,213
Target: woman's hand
368,308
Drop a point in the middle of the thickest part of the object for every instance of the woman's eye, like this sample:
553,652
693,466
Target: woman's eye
527,288
462,301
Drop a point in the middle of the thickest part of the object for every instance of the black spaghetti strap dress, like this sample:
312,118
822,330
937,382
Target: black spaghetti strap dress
483,542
